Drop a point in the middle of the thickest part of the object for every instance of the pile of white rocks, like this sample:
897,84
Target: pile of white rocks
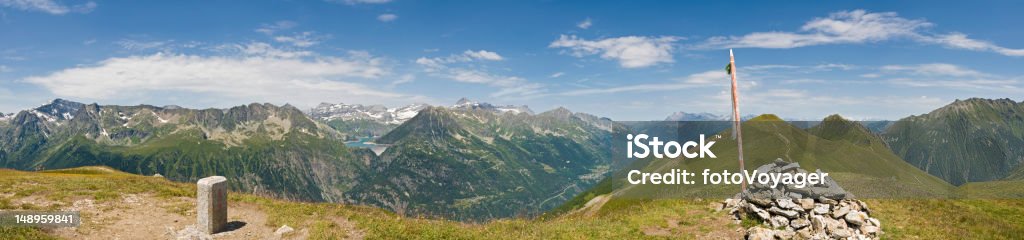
822,211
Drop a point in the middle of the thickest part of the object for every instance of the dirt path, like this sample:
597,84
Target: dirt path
143,216
715,226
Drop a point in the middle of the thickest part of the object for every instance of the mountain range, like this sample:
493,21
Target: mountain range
477,161
483,161
266,149
970,140
703,116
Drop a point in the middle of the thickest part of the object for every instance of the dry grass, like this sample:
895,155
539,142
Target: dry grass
617,219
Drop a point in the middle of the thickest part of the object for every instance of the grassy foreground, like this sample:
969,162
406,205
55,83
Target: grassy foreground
617,219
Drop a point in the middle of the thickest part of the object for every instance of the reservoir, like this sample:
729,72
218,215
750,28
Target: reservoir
367,142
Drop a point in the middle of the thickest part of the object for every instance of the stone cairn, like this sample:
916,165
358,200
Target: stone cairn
821,211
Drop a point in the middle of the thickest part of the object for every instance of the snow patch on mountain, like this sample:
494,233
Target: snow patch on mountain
378,113
57,110
44,116
466,104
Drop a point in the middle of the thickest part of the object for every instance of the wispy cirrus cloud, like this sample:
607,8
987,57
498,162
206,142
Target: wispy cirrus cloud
934,69
303,39
387,17
697,80
961,41
279,32
949,76
585,24
138,45
454,67
629,51
48,6
437,63
855,27
272,28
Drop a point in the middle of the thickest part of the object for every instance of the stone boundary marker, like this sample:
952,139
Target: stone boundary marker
212,204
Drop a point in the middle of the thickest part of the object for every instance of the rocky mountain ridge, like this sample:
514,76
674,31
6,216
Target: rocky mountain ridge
378,113
282,152
477,163
968,140
271,150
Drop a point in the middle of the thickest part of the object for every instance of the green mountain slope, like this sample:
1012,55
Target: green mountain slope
172,204
836,128
966,141
476,164
467,164
1016,174
851,155
357,128
270,150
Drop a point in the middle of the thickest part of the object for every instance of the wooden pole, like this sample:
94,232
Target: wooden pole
736,123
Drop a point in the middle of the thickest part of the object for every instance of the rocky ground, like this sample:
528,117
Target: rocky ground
148,216
821,211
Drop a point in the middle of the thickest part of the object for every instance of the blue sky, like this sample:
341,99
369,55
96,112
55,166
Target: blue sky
628,60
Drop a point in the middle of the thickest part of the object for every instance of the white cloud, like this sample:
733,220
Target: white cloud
803,81
585,24
943,75
856,26
830,66
934,69
136,45
405,78
986,85
387,17
438,63
48,6
474,76
483,54
629,51
508,85
853,27
702,79
556,75
303,39
5,69
453,68
298,39
262,49
276,26
256,76
707,78
961,41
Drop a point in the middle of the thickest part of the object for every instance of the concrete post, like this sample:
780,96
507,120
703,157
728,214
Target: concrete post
212,204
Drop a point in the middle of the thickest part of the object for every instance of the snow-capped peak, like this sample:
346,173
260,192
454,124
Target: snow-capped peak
466,104
57,110
378,113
